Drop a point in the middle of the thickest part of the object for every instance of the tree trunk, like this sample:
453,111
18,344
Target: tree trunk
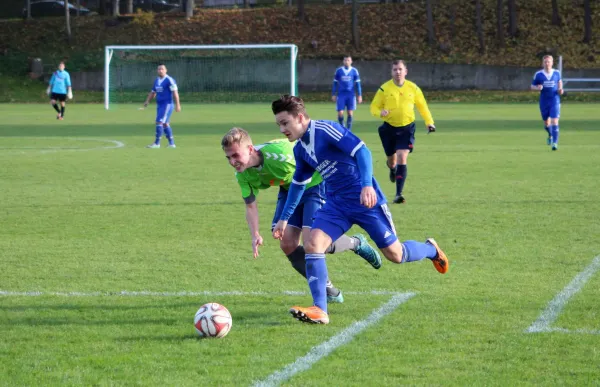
102,7
555,16
130,6
587,21
115,8
512,18
301,12
479,26
189,9
68,19
430,32
499,23
28,6
355,34
246,3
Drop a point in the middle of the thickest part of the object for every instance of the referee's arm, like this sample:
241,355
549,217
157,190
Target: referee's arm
377,103
423,108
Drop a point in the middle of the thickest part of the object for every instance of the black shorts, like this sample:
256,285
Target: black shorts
58,97
396,138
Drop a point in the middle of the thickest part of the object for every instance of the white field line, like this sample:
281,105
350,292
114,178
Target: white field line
550,314
324,349
147,293
112,144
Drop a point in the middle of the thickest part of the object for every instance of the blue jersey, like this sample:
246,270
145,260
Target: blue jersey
60,81
164,88
329,148
549,93
344,80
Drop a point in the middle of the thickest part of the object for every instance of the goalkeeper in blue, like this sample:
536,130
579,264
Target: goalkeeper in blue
549,83
59,89
343,91
353,197
167,99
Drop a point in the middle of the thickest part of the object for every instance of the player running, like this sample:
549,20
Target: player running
259,167
342,91
59,89
549,82
353,197
165,90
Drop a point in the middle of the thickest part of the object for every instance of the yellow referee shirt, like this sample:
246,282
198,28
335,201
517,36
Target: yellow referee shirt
400,102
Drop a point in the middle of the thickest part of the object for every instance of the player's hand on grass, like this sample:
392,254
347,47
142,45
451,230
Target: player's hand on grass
384,113
359,99
430,128
334,98
178,108
279,229
256,241
368,197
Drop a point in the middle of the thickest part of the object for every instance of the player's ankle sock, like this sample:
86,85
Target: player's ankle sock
415,251
547,130
55,106
343,243
349,123
554,130
169,134
316,272
341,120
401,172
297,260
159,132
62,111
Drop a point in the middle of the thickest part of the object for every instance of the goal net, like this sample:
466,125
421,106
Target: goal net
204,73
573,82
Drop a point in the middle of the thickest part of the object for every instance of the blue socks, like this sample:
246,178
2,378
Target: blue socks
554,133
316,273
159,133
341,120
547,128
349,122
416,251
169,134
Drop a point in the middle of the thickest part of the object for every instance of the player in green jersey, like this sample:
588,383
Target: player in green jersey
259,167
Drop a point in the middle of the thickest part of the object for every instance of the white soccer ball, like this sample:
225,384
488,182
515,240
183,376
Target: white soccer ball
212,320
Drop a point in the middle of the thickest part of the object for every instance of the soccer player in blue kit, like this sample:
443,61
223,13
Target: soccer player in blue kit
342,91
59,89
165,90
353,197
549,82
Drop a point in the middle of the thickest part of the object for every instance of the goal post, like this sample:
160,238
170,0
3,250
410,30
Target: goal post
582,84
204,73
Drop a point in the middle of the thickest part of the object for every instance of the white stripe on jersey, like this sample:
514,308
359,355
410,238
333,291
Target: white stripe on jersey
305,182
356,148
330,130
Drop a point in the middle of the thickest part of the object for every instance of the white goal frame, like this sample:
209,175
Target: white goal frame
567,80
109,50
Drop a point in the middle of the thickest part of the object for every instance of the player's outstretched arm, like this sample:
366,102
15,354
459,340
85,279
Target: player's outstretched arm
423,109
176,98
368,197
294,195
253,226
377,104
149,98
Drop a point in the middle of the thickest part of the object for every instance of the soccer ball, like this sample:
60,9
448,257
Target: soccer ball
212,320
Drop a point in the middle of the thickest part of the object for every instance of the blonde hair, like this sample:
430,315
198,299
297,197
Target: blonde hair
235,136
547,56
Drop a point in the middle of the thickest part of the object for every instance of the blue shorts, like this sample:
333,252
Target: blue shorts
337,216
549,110
395,138
346,101
163,112
312,201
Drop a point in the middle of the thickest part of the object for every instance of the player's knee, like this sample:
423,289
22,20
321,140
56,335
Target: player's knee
314,246
393,253
287,246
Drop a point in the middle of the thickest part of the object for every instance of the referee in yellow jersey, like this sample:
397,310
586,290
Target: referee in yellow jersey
395,103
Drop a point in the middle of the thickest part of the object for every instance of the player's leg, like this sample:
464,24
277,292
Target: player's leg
62,108
167,126
339,107
160,113
350,107
554,130
55,105
379,225
404,145
545,113
388,141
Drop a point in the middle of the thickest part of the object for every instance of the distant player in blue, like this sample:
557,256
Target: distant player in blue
353,197
167,99
59,89
549,82
342,91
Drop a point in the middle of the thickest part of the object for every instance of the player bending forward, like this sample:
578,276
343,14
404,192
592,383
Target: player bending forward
59,90
165,90
259,167
353,197
550,85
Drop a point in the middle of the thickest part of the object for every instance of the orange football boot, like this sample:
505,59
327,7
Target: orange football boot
312,314
440,262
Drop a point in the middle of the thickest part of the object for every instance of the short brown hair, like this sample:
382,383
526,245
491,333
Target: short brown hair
396,62
289,103
235,136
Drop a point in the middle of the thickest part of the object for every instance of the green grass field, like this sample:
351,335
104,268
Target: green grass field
87,212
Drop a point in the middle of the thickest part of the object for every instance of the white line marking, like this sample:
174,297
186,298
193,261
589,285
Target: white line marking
114,144
322,350
146,293
581,331
550,314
